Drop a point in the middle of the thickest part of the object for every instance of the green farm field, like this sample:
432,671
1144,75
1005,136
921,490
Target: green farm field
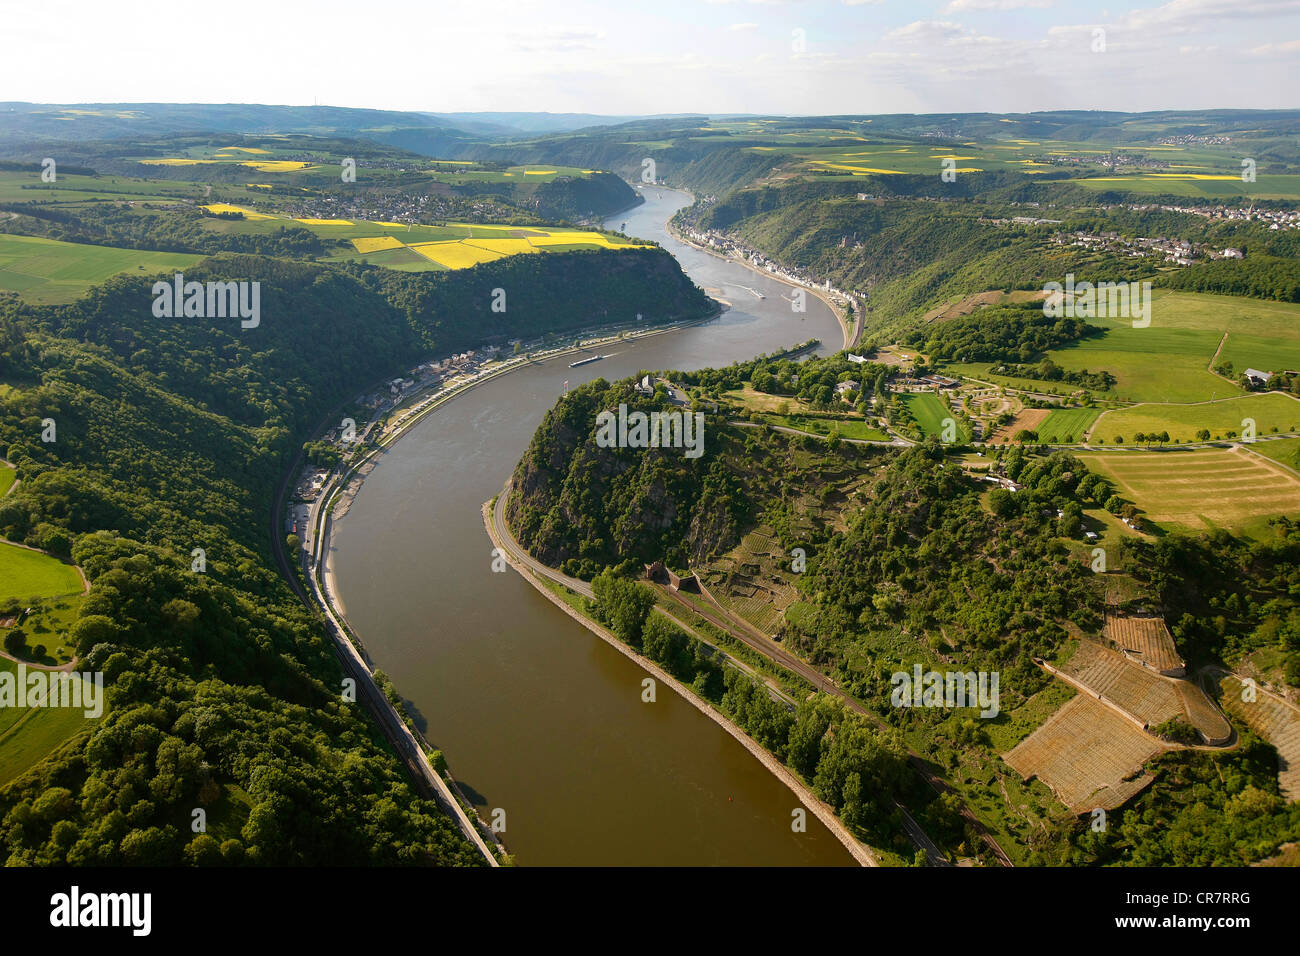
1169,361
25,574
857,430
48,272
1285,451
27,735
1152,364
1201,489
7,478
1272,412
23,186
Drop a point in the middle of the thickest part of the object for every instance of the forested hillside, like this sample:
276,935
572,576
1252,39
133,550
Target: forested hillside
224,693
924,563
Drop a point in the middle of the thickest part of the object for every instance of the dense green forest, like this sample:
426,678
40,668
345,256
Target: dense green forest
1007,333
224,693
1262,277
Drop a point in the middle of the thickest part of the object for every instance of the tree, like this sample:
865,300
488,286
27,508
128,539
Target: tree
293,543
1203,434
16,642
623,604
1002,502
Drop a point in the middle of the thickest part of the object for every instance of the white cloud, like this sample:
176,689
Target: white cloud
961,6
742,27
1275,49
557,40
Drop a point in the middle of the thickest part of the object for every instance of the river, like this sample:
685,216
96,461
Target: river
537,716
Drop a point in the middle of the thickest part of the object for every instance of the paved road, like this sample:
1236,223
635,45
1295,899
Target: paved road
368,693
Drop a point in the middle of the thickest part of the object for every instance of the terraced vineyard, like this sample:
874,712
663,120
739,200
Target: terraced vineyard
1087,754
750,582
1148,638
1141,693
1276,721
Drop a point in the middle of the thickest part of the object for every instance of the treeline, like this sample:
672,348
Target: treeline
109,224
1259,277
1049,371
857,769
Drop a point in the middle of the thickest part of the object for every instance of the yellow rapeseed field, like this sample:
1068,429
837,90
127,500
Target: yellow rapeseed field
245,149
376,243
454,254
505,247
861,169
274,165
219,207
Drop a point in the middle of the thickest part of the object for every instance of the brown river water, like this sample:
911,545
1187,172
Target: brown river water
537,716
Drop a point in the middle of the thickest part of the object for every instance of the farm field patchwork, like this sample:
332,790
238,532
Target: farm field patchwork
461,249
1202,488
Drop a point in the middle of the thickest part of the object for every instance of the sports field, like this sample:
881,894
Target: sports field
1066,425
1202,488
50,272
1271,412
26,574
930,413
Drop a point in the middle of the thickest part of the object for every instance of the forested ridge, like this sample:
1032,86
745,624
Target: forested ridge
914,245
172,434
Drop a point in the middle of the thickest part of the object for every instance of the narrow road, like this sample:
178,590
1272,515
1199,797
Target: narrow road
427,780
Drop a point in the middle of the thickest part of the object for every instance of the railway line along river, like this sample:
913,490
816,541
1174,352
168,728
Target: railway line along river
537,716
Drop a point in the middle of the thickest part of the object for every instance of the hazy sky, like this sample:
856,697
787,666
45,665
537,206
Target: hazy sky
665,56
